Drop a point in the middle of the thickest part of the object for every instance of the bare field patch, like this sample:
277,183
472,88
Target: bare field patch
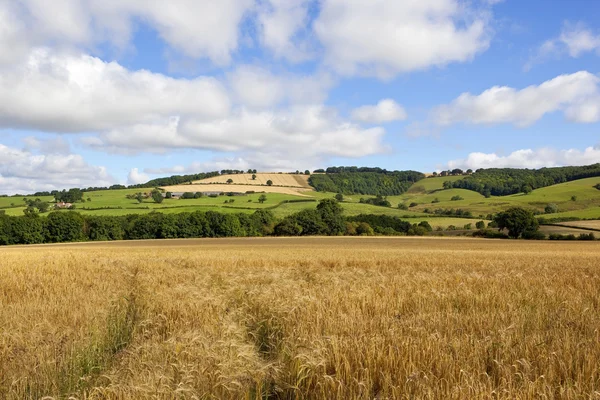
291,180
583,224
217,187
311,318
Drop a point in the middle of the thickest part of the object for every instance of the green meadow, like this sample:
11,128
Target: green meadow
574,199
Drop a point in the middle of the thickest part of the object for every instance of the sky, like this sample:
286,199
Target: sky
102,92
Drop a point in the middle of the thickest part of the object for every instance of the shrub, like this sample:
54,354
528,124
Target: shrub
587,236
402,206
413,204
533,235
551,208
480,225
456,198
434,201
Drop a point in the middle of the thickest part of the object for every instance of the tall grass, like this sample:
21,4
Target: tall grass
314,318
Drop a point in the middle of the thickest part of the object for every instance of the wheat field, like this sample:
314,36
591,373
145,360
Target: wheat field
309,318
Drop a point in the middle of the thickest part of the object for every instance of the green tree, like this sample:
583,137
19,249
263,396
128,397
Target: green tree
253,177
269,183
288,227
157,196
139,197
551,208
307,172
480,225
331,215
339,197
64,227
229,181
517,221
262,198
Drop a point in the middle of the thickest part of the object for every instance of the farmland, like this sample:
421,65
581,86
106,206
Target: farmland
290,194
314,318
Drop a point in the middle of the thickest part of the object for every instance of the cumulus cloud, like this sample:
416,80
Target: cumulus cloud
574,40
52,145
75,93
22,171
386,110
293,132
283,28
576,95
386,37
136,177
258,87
197,29
528,158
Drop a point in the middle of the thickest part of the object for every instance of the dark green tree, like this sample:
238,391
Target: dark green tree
331,215
64,227
517,221
262,198
269,183
157,196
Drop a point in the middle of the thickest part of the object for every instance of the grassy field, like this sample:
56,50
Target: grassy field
314,318
574,199
586,204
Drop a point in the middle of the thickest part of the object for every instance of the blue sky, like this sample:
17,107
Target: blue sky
97,92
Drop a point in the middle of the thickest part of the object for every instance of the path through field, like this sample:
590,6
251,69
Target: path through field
311,318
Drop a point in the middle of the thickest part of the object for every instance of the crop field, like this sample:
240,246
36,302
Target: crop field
310,318
223,187
594,225
291,180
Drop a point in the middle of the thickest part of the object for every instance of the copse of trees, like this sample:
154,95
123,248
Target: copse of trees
518,221
175,180
69,196
507,181
364,180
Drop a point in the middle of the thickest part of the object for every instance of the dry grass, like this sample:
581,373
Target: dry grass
218,187
583,224
292,180
314,318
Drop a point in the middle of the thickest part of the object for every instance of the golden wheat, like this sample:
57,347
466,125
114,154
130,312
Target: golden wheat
311,318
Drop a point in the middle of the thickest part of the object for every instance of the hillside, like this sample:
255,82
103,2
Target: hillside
425,199
507,181
290,180
366,181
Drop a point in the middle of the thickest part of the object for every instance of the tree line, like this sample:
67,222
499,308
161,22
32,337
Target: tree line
507,181
364,180
70,226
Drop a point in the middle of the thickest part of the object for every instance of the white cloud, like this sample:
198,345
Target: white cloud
74,93
577,95
578,40
386,37
197,29
386,110
257,87
296,132
281,22
529,158
135,177
52,145
13,45
574,41
22,171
